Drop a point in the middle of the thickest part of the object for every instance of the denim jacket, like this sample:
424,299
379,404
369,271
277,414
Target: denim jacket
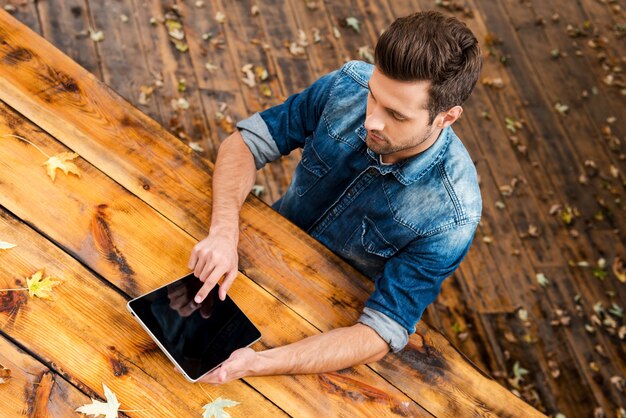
407,225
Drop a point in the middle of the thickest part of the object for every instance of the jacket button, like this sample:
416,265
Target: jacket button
371,171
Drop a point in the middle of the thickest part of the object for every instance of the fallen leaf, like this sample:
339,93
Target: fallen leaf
96,36
225,122
249,79
542,280
512,124
265,90
336,32
210,67
366,53
216,408
258,190
220,17
317,38
5,374
180,103
62,162
108,409
561,108
354,23
618,269
523,314
38,287
295,49
254,10
6,245
196,146
494,83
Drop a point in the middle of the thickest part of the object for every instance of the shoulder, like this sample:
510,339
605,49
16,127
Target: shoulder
358,71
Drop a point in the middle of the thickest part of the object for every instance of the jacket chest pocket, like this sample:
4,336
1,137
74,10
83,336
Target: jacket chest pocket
310,170
374,242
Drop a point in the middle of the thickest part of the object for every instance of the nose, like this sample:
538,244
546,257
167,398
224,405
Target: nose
373,119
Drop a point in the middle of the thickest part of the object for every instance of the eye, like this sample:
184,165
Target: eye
397,117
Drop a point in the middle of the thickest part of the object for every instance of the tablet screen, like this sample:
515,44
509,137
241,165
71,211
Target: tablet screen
197,337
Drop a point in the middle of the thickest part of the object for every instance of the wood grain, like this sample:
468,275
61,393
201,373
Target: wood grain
303,268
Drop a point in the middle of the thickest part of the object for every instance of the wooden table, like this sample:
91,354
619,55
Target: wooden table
126,226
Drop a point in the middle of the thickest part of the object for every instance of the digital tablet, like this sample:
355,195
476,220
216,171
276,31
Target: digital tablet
196,337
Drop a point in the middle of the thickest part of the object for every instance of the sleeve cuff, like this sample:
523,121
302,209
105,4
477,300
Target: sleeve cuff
389,330
257,137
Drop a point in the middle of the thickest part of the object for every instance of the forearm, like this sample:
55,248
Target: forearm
233,178
330,351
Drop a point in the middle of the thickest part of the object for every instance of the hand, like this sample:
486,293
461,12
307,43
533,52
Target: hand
238,365
211,259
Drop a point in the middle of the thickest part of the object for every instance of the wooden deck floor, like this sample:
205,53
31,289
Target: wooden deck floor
545,128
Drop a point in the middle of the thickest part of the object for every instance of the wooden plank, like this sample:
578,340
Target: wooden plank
125,68
82,313
25,12
174,70
297,269
122,229
34,390
74,39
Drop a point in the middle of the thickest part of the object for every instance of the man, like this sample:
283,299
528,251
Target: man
384,182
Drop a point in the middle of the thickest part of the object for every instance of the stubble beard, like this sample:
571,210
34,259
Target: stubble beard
385,147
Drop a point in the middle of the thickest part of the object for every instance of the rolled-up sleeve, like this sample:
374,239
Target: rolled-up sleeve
258,138
281,129
411,280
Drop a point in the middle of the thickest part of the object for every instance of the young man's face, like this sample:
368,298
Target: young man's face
397,118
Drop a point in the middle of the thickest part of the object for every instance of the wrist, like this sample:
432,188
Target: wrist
228,232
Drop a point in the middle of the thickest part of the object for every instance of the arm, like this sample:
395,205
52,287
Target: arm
216,255
330,351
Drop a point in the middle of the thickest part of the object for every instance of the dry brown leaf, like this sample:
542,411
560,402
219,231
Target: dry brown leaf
5,374
62,161
618,269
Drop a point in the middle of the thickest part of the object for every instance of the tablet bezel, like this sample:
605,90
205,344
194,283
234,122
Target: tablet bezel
163,349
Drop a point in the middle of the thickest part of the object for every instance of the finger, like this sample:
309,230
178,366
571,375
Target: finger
227,283
193,258
216,274
204,291
206,271
200,265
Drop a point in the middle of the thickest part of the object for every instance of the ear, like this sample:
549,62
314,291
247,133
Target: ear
446,119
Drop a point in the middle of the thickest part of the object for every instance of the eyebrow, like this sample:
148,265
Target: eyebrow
388,109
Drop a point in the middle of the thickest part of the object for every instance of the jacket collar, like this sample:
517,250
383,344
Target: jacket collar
412,169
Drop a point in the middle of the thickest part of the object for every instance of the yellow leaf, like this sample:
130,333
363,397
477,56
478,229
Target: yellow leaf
62,162
38,287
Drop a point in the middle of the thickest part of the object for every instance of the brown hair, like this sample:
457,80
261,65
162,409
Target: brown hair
430,46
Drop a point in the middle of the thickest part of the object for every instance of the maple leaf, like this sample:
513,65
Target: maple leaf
108,409
38,287
216,408
62,162
6,245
